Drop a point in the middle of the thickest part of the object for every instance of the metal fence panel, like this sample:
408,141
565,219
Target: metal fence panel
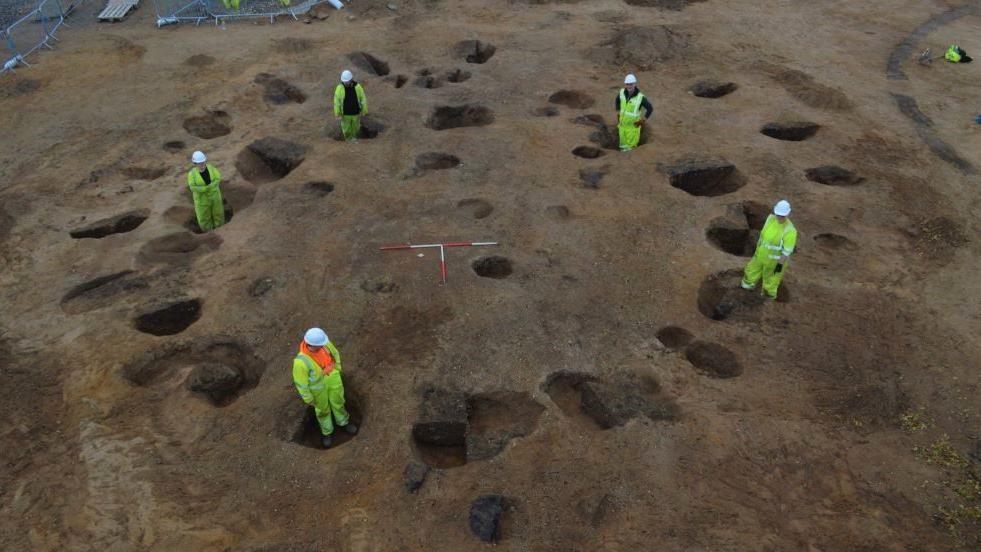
50,12
37,28
28,34
178,11
33,31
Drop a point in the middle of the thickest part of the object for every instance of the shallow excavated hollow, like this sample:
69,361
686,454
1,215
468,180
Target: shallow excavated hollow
119,224
370,63
457,76
217,369
572,98
834,241
713,360
309,434
212,125
587,152
720,297
370,129
734,241
790,132
169,320
455,428
478,208
319,188
446,117
708,177
102,292
475,51
674,337
493,266
278,91
434,160
833,175
269,159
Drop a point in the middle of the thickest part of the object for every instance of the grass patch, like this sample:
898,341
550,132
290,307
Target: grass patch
959,511
913,421
942,454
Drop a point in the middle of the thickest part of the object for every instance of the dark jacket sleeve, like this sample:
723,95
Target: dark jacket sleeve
617,103
646,104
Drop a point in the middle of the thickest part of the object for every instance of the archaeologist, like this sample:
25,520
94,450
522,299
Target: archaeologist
955,54
317,376
349,105
629,102
773,249
203,180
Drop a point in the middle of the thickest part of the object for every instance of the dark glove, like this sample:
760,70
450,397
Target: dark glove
779,268
639,123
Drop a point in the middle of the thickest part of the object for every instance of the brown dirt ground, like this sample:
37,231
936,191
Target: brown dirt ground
105,448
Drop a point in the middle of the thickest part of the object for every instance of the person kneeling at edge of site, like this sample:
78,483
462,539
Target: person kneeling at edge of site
773,249
317,376
204,180
629,120
350,104
955,54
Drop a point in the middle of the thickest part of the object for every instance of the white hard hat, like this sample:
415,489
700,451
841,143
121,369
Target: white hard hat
198,157
316,337
346,76
630,79
782,208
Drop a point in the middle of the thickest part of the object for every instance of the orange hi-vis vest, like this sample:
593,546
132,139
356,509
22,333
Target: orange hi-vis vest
321,356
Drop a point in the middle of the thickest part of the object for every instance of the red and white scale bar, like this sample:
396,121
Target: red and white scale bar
442,248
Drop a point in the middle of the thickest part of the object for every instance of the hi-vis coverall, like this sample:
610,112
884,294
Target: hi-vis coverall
321,386
630,113
350,118
208,207
956,54
776,240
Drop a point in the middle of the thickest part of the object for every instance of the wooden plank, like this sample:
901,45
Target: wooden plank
116,10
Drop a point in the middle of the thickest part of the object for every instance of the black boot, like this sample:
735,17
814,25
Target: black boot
351,428
326,441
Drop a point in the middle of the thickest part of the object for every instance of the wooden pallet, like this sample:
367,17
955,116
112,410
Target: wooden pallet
116,10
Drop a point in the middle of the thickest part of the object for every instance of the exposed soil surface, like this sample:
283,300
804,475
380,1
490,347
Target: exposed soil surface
596,381
447,117
278,91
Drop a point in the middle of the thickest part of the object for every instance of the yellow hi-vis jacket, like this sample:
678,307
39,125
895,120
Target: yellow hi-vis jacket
776,239
308,376
196,183
339,94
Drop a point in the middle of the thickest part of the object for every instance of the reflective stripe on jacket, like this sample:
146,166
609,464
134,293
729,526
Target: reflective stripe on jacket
776,239
630,109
